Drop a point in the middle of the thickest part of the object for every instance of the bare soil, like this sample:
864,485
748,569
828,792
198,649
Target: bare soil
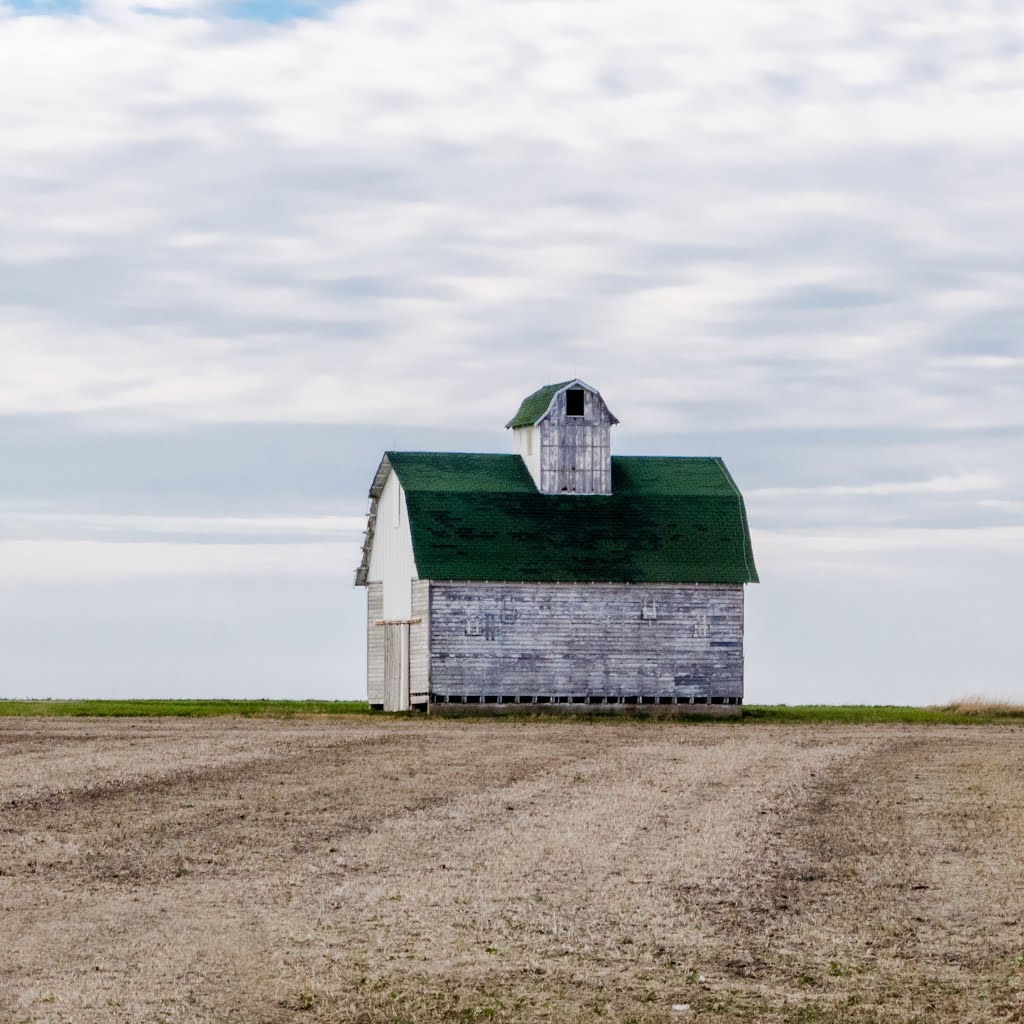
371,870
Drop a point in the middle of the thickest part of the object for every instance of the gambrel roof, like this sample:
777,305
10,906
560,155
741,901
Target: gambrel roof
534,407
480,517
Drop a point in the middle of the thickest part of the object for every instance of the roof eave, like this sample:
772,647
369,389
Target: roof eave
380,478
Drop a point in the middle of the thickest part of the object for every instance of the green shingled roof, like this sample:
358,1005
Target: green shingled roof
668,520
534,406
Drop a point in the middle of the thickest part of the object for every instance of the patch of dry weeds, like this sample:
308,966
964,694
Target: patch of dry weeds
983,707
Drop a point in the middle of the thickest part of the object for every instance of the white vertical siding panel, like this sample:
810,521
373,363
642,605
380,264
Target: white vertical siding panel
391,557
375,640
419,642
395,667
526,444
403,671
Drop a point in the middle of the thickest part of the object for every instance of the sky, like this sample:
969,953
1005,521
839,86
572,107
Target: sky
246,246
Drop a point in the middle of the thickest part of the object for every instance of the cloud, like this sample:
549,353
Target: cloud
51,561
958,484
243,250
796,545
65,525
795,217
1001,504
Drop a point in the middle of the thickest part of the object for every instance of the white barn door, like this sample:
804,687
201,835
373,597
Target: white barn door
396,667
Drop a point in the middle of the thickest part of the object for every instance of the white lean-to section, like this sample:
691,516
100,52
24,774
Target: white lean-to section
391,559
526,444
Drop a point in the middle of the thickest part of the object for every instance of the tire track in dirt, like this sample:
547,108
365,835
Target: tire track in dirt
266,808
148,753
460,871
604,880
835,928
139,869
182,779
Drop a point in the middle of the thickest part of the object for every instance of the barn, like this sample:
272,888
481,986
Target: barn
558,575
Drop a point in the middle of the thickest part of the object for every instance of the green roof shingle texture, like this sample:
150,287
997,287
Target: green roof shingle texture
534,406
667,520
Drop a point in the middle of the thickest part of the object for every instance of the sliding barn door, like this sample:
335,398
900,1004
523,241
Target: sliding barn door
396,667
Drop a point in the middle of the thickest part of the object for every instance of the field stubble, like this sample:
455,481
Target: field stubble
369,870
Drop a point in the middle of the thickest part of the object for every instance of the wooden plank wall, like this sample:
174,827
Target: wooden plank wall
375,640
656,640
419,643
575,451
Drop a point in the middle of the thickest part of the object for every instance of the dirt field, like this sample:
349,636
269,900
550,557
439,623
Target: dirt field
362,870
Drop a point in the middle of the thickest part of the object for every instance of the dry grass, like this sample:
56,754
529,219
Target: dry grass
983,707
371,870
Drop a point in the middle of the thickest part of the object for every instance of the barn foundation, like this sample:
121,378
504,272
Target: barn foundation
637,709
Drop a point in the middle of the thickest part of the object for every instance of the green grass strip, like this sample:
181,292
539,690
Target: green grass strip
772,714
182,708
753,715
869,714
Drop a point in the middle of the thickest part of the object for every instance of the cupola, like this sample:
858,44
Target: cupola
562,432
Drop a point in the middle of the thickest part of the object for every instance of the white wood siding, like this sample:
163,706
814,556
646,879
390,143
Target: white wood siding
526,444
419,643
391,558
375,639
396,666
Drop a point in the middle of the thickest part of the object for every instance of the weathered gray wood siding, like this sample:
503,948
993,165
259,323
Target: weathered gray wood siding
589,639
419,643
575,451
376,637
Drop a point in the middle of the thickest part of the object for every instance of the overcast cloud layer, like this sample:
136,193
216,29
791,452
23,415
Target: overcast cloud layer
243,249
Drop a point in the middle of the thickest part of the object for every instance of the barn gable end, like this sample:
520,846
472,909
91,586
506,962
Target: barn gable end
397,600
